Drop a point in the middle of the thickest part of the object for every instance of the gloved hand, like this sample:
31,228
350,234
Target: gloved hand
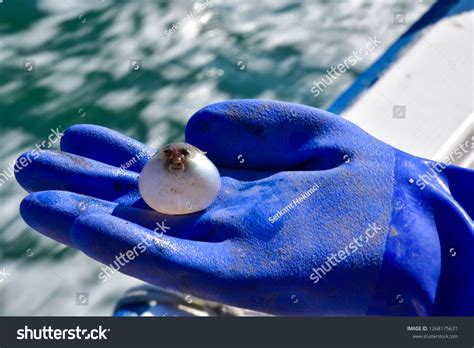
314,217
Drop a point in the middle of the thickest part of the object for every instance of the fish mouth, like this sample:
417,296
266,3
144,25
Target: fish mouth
176,167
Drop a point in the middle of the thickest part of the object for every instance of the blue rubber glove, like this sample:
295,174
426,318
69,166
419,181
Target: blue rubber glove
314,217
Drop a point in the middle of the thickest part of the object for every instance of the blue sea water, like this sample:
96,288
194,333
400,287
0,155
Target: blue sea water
143,68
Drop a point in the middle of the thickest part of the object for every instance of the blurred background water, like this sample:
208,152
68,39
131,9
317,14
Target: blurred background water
121,64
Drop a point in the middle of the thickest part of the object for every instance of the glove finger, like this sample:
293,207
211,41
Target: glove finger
52,213
106,145
262,134
53,170
176,264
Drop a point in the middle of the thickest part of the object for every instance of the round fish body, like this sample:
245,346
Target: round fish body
179,180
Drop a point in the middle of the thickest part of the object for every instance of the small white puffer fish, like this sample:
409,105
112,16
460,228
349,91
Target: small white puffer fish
179,179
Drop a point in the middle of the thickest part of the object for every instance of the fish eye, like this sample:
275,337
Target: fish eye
167,151
185,151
